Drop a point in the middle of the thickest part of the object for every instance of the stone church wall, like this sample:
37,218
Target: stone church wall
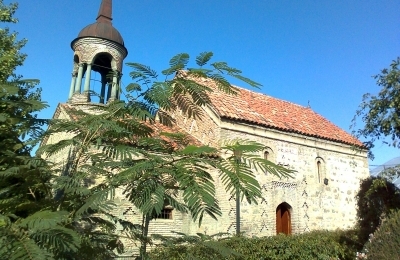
204,129
315,204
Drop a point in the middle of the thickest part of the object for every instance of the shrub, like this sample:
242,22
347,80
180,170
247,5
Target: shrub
313,245
375,199
385,242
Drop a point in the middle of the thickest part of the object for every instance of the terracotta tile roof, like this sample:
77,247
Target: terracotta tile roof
259,109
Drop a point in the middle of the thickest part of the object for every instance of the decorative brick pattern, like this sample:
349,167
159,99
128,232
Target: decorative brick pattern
283,185
87,48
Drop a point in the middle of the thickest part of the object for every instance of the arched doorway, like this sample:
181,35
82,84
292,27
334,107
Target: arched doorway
283,219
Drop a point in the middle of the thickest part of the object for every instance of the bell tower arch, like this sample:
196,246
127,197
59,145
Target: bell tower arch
99,47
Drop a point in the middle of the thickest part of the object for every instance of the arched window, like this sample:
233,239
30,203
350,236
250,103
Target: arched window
268,155
102,66
283,219
320,170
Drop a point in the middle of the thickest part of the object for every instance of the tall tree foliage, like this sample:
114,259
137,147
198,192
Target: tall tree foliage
376,198
381,113
30,226
10,46
381,117
126,145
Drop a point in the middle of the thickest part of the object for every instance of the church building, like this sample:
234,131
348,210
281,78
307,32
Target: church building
329,162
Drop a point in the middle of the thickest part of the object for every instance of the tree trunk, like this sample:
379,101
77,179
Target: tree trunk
145,231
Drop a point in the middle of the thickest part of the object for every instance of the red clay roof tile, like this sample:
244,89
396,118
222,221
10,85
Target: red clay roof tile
260,109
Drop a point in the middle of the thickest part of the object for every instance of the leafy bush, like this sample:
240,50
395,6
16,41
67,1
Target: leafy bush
313,245
375,199
385,242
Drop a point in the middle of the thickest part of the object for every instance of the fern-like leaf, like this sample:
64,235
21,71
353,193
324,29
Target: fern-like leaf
45,219
98,200
247,80
142,70
203,58
58,239
180,59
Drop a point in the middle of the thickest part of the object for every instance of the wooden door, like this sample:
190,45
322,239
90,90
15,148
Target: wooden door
283,221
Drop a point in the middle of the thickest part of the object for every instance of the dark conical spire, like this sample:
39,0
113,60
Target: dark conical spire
105,12
102,28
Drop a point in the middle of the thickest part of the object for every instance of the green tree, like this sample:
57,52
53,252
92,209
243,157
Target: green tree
29,227
381,113
126,145
385,242
10,47
376,198
381,117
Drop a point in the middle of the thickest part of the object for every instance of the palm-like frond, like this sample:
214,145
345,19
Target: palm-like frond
99,200
247,80
180,59
238,177
198,190
177,63
185,104
203,58
133,87
223,84
45,219
236,169
159,94
165,118
26,249
197,92
223,67
141,71
58,238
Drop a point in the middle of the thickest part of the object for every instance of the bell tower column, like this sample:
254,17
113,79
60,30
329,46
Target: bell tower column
79,79
114,88
103,88
87,78
72,87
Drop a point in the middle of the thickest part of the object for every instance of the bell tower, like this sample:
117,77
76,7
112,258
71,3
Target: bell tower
99,47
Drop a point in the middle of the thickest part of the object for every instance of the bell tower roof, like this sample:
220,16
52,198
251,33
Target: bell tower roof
102,28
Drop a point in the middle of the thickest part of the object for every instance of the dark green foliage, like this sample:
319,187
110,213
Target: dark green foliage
381,113
10,55
313,245
31,227
385,242
193,246
376,198
21,181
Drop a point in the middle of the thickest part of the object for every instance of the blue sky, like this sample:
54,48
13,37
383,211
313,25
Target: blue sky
319,52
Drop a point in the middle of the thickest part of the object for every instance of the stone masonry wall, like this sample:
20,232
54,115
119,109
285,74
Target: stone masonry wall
315,205
206,129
